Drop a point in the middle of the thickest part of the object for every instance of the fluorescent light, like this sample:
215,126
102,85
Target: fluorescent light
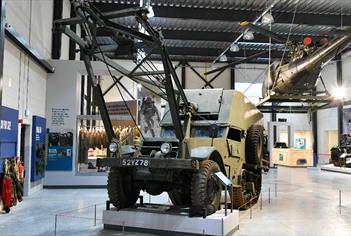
223,58
234,48
267,19
151,12
248,35
339,93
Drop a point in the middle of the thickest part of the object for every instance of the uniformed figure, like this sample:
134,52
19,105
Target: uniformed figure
149,111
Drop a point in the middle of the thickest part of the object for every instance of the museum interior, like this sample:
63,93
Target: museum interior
183,117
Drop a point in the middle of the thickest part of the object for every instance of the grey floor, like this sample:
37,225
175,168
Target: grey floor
301,202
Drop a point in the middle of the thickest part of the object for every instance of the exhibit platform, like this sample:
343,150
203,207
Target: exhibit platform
168,220
331,167
291,157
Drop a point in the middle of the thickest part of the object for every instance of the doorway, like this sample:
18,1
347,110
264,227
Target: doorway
25,155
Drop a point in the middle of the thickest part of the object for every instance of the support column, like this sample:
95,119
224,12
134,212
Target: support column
232,78
57,37
82,96
273,119
72,45
2,44
89,98
340,109
183,76
315,138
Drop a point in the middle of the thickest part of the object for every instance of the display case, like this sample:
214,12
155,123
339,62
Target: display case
92,141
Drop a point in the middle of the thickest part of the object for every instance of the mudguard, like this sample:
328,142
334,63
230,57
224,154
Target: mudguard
205,153
201,153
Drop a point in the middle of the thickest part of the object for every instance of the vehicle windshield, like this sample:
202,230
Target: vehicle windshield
196,131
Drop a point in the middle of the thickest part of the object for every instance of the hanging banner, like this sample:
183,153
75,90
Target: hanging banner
8,132
38,148
60,151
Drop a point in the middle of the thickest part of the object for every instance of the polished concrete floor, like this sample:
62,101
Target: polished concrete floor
294,202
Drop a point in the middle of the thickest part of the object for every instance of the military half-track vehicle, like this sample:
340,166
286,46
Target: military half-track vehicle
341,154
224,135
203,131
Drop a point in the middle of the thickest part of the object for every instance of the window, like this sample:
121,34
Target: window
234,134
204,131
168,132
196,131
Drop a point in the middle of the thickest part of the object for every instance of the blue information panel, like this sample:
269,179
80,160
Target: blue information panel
38,148
60,151
8,132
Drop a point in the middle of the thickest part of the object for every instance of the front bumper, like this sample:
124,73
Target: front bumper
152,163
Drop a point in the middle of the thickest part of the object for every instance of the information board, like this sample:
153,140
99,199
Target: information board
60,151
38,148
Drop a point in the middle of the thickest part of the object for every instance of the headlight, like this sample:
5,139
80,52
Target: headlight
113,147
166,148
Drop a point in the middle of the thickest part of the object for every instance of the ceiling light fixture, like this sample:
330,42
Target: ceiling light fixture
234,48
267,19
248,35
223,58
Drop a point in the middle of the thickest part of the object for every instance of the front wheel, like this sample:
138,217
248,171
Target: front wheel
205,188
122,190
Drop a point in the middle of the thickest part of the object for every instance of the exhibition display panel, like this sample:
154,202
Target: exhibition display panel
11,166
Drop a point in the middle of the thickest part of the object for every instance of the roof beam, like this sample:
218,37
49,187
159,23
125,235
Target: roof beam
219,36
241,15
214,52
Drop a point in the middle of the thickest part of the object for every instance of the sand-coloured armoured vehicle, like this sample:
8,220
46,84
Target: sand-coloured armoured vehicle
203,131
224,134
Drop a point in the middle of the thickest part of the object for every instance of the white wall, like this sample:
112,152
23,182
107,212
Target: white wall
33,20
193,81
24,81
63,90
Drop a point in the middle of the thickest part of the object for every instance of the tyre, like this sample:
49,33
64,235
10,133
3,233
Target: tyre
205,188
122,190
180,197
247,193
335,156
254,145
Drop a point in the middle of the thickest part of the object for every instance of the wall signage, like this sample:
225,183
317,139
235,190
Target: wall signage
59,116
8,131
38,148
60,151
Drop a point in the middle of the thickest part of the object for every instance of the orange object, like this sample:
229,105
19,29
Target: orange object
307,41
20,172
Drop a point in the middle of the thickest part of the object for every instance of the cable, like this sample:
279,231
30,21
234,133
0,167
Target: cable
110,73
259,76
145,70
288,39
290,29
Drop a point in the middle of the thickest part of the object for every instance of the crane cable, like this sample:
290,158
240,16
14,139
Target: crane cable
288,38
110,73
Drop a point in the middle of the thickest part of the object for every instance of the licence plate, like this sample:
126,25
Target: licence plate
135,162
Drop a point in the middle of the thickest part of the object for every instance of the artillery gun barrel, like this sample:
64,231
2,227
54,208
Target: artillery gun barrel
298,71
